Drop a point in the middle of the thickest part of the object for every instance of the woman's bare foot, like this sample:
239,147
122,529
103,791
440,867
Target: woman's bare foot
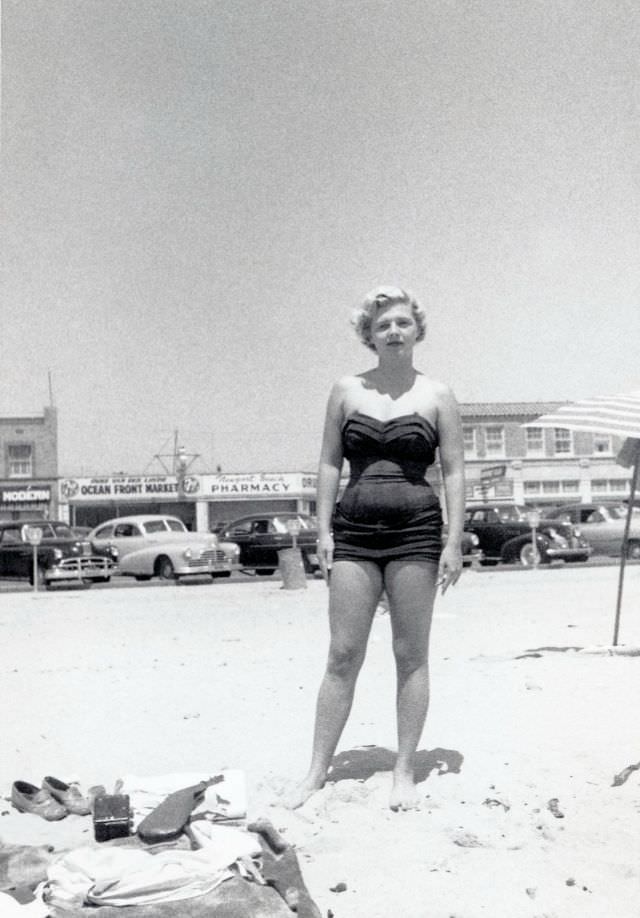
404,794
301,793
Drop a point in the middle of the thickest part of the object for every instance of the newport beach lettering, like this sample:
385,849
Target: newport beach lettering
263,483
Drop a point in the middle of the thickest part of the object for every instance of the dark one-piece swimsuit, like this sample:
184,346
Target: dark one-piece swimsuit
388,511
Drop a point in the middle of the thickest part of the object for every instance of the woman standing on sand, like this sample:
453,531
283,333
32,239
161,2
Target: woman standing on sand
385,534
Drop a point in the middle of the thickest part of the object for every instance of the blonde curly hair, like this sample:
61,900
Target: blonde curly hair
362,317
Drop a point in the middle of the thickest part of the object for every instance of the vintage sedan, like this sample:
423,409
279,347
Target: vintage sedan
61,556
262,535
505,535
602,524
158,545
470,546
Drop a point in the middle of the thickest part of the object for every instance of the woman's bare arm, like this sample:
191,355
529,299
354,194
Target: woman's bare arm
452,464
329,468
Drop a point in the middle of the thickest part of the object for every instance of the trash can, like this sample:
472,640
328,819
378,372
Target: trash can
291,567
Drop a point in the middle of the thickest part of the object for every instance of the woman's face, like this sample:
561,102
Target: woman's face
394,329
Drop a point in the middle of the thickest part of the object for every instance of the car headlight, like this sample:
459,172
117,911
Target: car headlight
187,553
57,554
557,538
577,532
475,541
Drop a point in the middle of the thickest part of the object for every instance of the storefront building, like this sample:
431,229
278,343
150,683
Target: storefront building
29,467
533,465
503,461
201,501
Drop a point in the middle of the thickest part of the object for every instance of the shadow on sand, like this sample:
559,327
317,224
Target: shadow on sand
539,651
363,762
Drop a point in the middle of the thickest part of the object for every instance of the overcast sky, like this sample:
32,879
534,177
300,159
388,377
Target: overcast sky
197,192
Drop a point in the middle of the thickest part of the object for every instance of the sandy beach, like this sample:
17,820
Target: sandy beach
518,818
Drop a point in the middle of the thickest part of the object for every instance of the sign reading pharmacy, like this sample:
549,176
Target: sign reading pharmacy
138,488
258,484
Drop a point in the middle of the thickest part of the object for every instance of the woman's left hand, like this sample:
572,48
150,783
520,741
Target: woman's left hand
450,566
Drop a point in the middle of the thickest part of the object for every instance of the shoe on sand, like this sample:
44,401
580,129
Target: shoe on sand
27,798
68,795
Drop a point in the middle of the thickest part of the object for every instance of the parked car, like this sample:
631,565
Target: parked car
602,524
261,535
80,532
505,535
61,556
470,544
157,545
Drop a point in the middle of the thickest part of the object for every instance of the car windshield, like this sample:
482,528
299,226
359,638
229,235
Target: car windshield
511,514
281,524
617,513
60,531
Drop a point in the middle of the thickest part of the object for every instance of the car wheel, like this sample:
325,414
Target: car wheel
142,577
633,550
529,555
219,574
165,568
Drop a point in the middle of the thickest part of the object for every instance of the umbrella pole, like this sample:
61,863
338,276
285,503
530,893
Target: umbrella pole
625,541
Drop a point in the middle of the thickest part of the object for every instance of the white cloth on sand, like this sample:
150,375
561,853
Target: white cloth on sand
117,875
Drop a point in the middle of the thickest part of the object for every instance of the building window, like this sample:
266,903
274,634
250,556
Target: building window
602,445
469,435
494,441
550,487
615,486
563,442
531,488
570,487
534,441
20,460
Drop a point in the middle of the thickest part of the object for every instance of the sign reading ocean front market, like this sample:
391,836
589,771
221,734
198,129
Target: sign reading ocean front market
129,487
136,488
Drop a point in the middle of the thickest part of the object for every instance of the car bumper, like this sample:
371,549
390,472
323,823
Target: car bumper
198,566
79,569
473,557
568,554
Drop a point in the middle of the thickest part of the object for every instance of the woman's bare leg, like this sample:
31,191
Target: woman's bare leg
411,586
355,589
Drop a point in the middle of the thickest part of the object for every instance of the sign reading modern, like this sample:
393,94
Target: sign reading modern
25,494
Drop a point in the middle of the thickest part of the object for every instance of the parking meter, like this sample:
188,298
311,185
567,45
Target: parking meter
293,527
533,518
33,535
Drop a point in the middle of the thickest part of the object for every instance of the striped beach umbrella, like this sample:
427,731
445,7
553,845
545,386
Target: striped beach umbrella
615,414
618,415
